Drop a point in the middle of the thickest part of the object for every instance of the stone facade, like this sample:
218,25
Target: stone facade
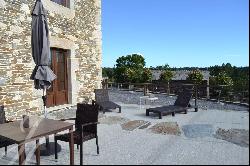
77,29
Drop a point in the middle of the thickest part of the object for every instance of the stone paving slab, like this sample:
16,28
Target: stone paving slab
198,130
237,136
132,125
171,128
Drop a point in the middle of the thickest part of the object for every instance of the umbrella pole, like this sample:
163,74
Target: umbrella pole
47,148
45,114
40,41
44,103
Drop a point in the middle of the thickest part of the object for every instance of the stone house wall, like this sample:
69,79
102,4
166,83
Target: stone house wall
77,29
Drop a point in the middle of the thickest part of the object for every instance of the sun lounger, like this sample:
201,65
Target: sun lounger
181,105
102,99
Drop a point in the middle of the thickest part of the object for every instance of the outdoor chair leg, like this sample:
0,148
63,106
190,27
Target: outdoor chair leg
173,113
120,109
97,146
5,149
25,154
160,115
147,112
81,154
56,156
37,152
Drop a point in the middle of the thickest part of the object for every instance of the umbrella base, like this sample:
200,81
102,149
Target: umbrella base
49,149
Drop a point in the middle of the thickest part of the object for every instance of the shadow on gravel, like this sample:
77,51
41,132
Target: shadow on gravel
143,115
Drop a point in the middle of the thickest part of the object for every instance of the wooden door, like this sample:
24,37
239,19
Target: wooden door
58,93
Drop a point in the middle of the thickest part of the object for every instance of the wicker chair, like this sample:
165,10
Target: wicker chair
4,142
102,99
85,127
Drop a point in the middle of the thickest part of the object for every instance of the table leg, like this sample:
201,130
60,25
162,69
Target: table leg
21,153
37,152
71,146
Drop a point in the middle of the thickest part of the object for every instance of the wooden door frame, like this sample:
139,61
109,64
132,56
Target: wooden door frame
65,54
55,69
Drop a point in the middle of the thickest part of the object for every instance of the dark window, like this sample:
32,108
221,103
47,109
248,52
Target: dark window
65,3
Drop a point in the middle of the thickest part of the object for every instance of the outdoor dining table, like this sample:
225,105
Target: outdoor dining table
44,127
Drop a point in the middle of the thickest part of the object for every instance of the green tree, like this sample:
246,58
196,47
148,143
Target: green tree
223,79
108,72
238,76
195,76
162,67
129,68
167,76
228,69
131,75
215,70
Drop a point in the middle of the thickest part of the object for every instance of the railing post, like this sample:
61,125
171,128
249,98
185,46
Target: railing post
145,89
196,91
208,93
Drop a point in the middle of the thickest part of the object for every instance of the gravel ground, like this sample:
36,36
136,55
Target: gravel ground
131,97
216,135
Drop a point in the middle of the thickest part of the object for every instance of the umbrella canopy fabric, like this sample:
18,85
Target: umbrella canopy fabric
42,74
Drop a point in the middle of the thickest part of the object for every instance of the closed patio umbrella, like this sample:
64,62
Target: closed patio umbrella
42,74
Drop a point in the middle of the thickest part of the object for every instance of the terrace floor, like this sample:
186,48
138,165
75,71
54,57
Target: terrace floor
210,136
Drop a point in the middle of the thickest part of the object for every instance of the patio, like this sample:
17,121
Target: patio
133,138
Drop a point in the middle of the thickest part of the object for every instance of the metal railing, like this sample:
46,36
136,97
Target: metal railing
217,93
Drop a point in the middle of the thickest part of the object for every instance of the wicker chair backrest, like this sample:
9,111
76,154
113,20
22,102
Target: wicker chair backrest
86,113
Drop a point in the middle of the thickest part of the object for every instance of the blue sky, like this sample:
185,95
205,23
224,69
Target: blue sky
181,33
